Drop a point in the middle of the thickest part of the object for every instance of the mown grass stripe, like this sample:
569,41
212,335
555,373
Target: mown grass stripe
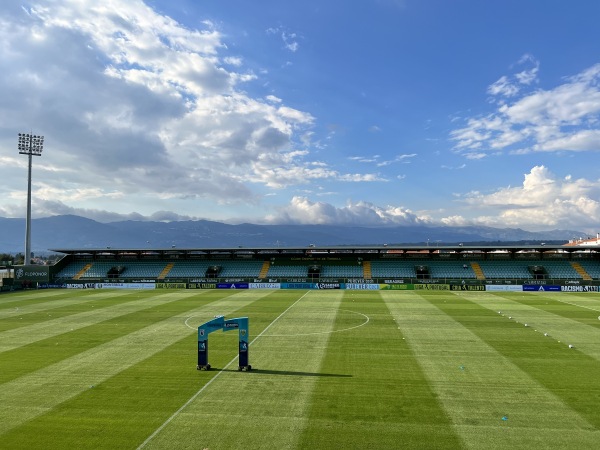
385,400
134,402
97,325
7,299
547,362
586,306
193,397
547,314
41,391
46,303
265,408
46,318
85,315
586,302
459,346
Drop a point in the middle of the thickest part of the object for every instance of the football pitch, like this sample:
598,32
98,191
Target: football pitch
330,370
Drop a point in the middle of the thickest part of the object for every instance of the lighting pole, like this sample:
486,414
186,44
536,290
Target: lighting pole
30,145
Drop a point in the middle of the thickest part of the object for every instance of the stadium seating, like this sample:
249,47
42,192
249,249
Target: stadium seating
379,269
284,271
450,269
330,271
236,269
393,269
591,267
190,269
72,269
559,269
506,269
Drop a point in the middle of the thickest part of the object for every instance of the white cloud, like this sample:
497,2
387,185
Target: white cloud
456,221
462,166
273,99
564,118
290,39
507,86
503,87
543,201
277,172
403,158
301,210
146,105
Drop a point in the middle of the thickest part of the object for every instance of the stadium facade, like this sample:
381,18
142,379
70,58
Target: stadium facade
460,267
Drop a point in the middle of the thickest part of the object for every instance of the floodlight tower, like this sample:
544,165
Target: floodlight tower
30,145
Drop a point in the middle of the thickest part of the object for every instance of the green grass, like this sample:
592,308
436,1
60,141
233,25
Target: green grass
331,369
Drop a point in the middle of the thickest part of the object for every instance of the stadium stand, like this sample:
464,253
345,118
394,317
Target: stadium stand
559,269
190,269
450,269
74,270
166,271
331,271
477,270
592,268
505,269
285,271
393,269
441,269
240,268
367,273
456,264
264,270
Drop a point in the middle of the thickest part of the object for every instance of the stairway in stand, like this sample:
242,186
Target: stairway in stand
367,275
478,272
581,271
264,270
166,271
79,274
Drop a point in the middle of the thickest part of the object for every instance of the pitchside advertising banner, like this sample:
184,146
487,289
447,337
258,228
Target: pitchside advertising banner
264,285
32,273
109,285
541,288
579,289
29,276
361,287
504,288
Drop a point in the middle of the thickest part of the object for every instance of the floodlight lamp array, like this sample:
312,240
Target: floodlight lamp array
30,144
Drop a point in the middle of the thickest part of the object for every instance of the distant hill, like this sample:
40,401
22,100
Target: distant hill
74,232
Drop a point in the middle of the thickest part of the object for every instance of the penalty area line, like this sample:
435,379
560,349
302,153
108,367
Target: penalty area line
195,396
579,306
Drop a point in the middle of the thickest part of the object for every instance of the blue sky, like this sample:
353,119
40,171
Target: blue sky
373,112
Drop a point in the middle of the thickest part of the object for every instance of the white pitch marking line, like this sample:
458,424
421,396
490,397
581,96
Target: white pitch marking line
302,334
193,397
326,332
579,306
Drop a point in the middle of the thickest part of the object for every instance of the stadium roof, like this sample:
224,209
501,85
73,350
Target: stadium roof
311,250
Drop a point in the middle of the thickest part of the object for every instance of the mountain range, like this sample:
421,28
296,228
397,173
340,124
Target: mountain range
75,232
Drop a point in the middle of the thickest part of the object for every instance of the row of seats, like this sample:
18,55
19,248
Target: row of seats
72,269
591,267
153,269
444,269
341,271
283,271
505,269
393,269
379,269
559,269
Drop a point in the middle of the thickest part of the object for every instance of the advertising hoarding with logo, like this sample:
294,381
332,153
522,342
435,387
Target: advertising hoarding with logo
32,273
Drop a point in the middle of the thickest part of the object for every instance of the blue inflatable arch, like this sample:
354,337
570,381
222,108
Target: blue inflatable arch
220,323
